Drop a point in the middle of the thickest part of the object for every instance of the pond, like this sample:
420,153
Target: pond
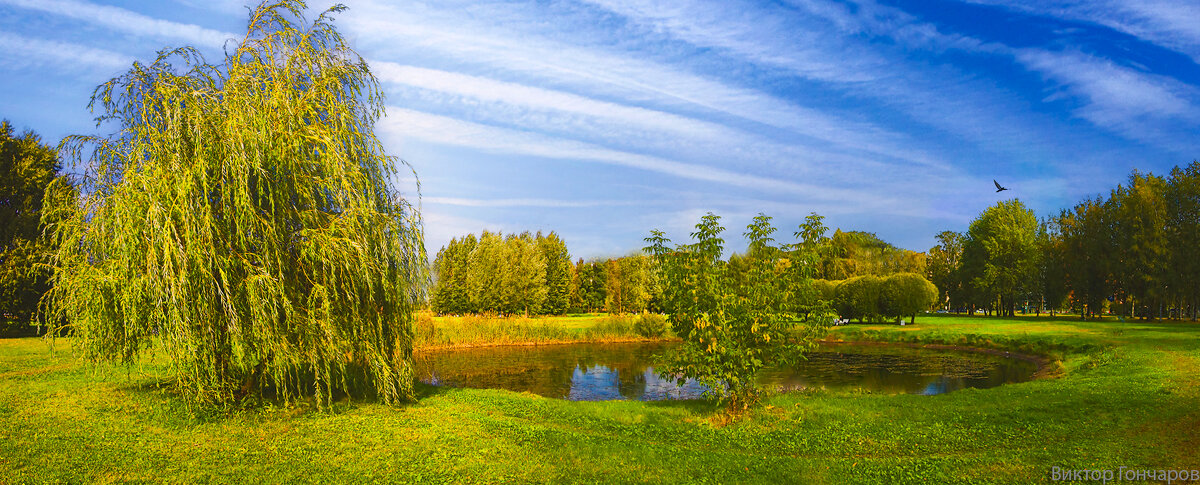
598,372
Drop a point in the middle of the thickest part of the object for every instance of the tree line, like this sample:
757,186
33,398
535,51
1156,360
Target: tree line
1132,253
533,275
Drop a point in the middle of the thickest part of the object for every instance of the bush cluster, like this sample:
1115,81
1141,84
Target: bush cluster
870,297
650,325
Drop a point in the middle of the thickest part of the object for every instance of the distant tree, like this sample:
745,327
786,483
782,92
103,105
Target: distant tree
637,283
729,333
593,281
614,294
826,290
944,267
524,275
450,293
486,274
1087,254
26,168
558,273
1183,234
1001,253
576,295
241,221
1052,274
855,253
1139,217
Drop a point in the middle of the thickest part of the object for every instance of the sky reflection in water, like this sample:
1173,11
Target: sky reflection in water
597,372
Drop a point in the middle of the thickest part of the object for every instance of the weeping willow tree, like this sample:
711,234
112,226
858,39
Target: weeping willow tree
241,222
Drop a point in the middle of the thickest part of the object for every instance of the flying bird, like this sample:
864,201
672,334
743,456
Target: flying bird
998,187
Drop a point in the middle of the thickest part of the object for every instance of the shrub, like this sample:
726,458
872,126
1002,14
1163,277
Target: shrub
906,294
650,325
859,297
426,331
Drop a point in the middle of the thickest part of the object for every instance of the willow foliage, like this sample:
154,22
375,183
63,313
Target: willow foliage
240,220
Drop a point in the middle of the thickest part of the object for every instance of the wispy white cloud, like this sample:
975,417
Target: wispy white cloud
594,73
486,89
541,203
702,23
1115,97
402,123
936,95
23,52
530,108
1168,23
123,20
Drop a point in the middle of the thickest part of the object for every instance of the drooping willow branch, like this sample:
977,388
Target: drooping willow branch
241,219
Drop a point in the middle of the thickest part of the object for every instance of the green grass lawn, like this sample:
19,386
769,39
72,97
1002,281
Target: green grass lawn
1128,394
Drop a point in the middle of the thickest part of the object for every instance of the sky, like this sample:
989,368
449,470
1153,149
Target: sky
604,119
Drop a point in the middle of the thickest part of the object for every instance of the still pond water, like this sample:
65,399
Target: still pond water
598,372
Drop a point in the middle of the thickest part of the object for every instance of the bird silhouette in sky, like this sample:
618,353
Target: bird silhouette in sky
998,187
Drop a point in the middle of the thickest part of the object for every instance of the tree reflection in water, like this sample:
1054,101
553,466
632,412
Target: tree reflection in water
597,372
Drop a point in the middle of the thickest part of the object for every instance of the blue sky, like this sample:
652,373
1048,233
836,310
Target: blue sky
604,119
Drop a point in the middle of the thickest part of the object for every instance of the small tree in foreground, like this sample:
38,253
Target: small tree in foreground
732,325
241,220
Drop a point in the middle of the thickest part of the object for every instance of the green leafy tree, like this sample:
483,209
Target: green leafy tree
485,282
906,294
524,278
1183,233
1087,254
614,291
1052,274
944,267
854,253
1139,217
812,232
450,293
630,284
826,290
729,333
26,168
240,220
859,297
592,286
558,273
576,298
1002,249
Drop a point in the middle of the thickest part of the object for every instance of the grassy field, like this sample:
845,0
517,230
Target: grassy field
1127,394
